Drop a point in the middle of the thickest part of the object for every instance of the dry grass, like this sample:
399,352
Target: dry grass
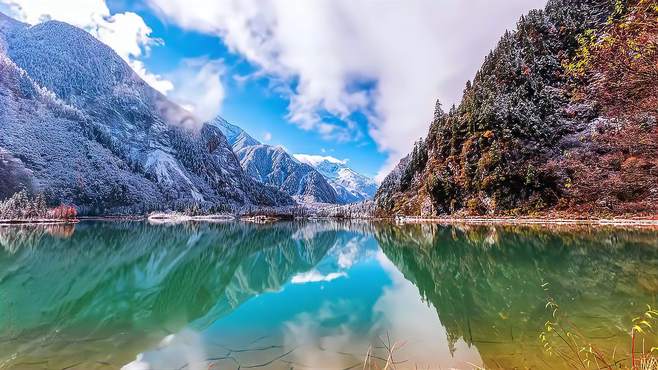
373,361
564,340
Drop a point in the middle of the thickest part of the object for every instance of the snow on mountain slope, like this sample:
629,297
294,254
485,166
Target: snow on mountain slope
7,26
350,186
235,136
73,93
274,166
47,140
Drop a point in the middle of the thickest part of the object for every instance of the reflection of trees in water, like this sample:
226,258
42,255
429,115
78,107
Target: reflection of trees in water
15,237
485,282
121,285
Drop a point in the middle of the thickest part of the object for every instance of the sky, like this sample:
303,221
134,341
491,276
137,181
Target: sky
347,79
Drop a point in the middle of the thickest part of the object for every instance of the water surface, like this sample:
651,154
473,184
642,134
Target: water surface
318,295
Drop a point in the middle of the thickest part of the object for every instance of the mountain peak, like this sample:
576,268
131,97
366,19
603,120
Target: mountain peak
315,160
350,185
8,25
272,165
236,136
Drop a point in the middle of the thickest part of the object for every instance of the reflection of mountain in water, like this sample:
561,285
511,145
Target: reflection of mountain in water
485,283
129,284
101,293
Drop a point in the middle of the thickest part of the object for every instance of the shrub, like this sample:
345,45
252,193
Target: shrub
63,212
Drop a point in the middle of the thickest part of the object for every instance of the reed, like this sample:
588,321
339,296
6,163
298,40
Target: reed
563,339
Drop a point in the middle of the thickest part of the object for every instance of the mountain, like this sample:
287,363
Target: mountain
350,186
560,119
275,167
237,137
90,132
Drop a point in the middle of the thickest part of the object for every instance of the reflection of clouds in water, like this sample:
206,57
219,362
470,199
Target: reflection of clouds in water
336,333
355,250
341,257
348,254
314,276
409,320
325,337
176,351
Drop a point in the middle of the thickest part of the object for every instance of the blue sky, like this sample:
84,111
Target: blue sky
251,105
354,80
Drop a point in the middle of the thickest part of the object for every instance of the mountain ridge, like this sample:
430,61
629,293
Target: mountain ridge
273,166
351,186
121,146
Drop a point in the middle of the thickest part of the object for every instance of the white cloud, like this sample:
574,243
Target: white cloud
315,160
267,136
413,51
156,81
126,33
199,86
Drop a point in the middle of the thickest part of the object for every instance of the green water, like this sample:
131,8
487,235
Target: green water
316,295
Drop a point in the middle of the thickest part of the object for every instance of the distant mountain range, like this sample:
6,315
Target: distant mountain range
304,177
350,186
79,125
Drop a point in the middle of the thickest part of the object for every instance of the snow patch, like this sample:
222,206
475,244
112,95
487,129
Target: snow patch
315,160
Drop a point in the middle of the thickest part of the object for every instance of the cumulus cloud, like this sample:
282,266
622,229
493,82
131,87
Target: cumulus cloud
126,33
199,87
388,60
267,136
315,160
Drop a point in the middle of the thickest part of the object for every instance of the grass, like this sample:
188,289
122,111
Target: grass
387,362
563,339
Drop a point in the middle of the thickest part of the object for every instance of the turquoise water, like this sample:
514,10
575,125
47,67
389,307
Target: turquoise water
318,295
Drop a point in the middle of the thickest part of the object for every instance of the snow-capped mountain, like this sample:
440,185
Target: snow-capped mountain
235,136
273,166
88,131
350,186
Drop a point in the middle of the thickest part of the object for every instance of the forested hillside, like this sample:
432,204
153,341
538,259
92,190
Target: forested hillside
79,126
560,118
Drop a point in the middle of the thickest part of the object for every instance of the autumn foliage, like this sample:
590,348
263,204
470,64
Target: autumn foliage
620,65
560,120
616,171
63,212
21,206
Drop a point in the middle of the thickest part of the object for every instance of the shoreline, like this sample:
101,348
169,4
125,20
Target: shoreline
16,222
177,218
530,221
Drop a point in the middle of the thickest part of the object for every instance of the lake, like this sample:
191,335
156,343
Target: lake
322,295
